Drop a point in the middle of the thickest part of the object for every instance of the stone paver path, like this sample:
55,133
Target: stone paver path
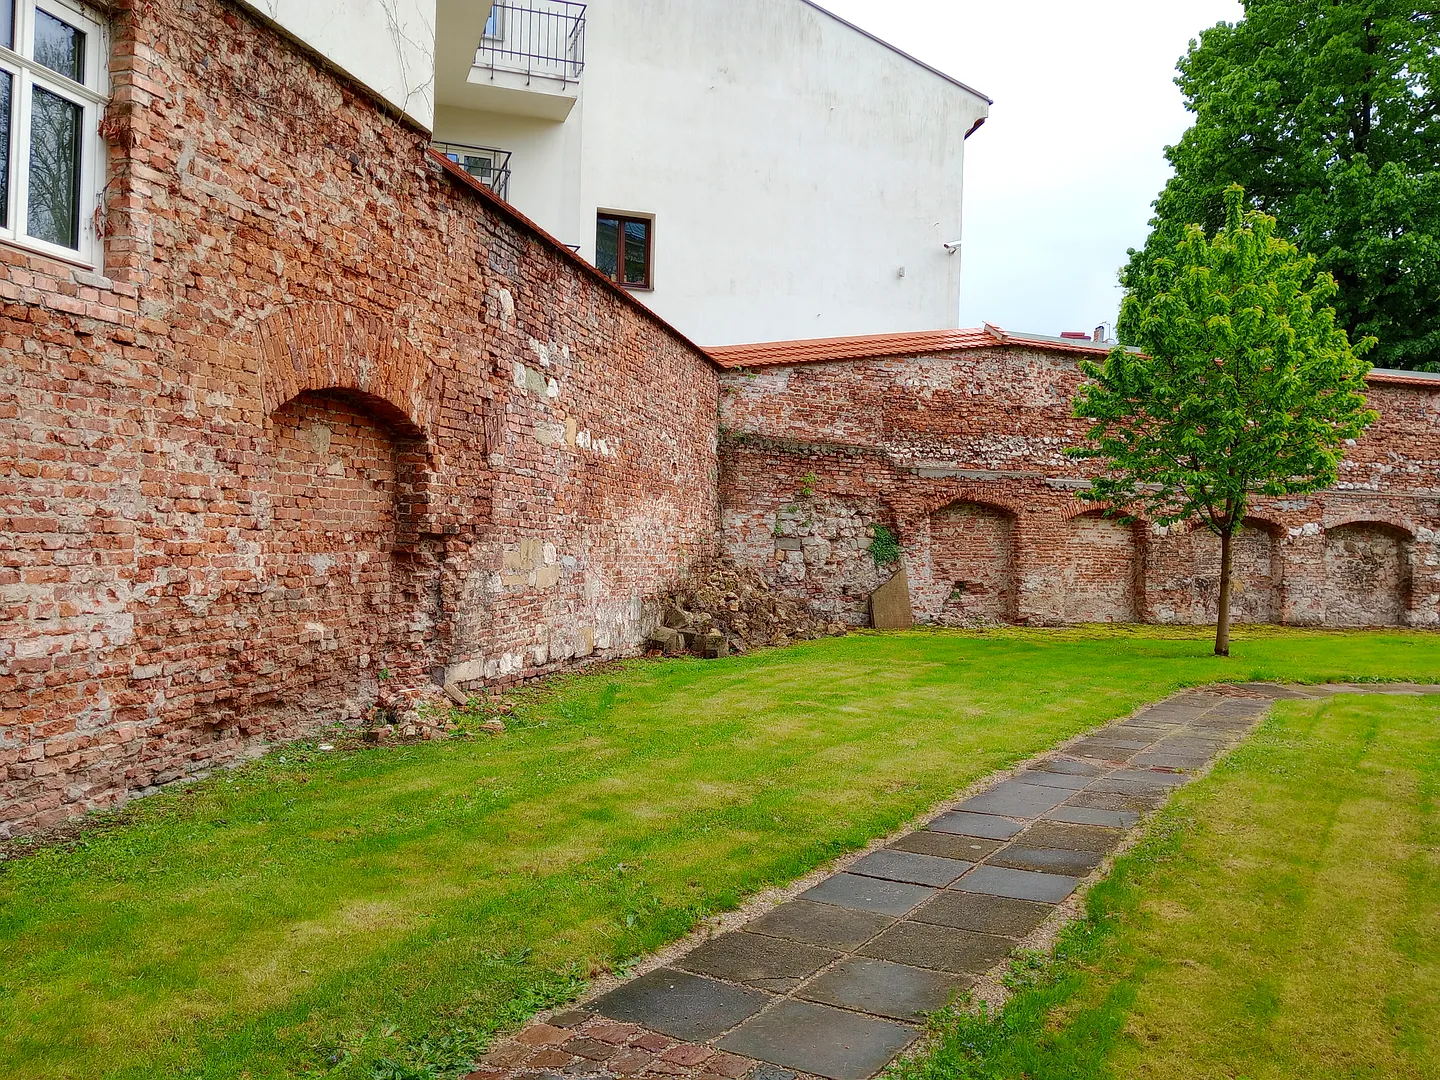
836,982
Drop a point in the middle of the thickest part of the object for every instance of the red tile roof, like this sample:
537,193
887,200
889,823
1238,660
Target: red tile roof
1391,377
932,342
875,346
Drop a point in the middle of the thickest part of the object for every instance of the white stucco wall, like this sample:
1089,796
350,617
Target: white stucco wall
544,162
389,45
792,164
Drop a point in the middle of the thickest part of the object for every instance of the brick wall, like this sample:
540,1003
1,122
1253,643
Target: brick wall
962,451
328,417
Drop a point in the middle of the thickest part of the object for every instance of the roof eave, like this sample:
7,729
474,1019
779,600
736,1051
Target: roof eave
901,52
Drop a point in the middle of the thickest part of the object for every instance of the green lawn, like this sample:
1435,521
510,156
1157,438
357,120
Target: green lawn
1281,919
403,903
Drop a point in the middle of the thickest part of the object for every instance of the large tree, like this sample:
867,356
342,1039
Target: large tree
1243,385
1328,113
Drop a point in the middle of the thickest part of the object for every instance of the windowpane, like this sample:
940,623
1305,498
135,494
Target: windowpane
607,246
55,169
7,23
6,86
59,46
637,253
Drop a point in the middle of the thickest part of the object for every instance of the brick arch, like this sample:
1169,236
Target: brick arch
1077,508
333,348
1265,525
1373,516
937,503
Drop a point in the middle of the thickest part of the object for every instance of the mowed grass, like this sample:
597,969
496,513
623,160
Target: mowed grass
1282,919
379,913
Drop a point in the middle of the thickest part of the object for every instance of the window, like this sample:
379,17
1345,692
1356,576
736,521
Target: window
52,85
623,249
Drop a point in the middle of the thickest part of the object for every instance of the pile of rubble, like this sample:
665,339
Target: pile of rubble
725,608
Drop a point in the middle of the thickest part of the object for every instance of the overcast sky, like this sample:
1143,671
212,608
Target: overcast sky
1060,179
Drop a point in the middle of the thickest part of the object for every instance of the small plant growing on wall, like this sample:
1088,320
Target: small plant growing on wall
884,546
807,485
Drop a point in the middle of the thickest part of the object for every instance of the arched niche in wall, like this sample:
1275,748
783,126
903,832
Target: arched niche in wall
1256,573
341,596
1183,573
1098,570
972,557
1368,570
337,351
345,470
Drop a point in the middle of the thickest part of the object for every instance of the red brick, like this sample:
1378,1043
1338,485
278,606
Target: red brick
959,451
279,445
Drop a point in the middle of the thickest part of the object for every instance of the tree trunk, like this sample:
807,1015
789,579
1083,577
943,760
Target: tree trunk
1222,628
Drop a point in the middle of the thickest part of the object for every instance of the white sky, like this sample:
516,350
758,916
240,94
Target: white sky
1060,179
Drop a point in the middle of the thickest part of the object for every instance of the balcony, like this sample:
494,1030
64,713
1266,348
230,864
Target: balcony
486,164
544,40
515,59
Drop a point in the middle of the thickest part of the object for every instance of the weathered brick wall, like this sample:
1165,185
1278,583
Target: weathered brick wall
963,452
328,417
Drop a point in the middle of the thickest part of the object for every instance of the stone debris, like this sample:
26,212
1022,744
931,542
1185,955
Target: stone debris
723,608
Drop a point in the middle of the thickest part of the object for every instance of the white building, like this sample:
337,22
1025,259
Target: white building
755,170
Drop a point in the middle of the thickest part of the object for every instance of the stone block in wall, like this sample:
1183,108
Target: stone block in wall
890,607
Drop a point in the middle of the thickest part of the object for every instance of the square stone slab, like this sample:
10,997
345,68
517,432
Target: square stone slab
1174,759
908,866
1104,751
881,988
985,826
941,948
1112,785
946,845
1017,884
680,1005
820,1040
1047,860
1070,768
1015,799
1041,778
1104,800
820,924
984,914
762,962
1150,776
1058,834
1079,815
868,894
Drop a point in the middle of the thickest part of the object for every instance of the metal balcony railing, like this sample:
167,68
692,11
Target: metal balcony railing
486,164
540,39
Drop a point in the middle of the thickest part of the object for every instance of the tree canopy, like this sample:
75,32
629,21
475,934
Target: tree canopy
1328,113
1243,385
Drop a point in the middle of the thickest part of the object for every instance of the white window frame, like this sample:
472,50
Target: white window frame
25,74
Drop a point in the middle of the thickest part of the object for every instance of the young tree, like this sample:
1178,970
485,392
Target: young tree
1243,385
1328,113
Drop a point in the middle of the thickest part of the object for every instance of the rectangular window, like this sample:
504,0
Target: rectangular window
55,169
52,85
6,84
624,248
59,46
